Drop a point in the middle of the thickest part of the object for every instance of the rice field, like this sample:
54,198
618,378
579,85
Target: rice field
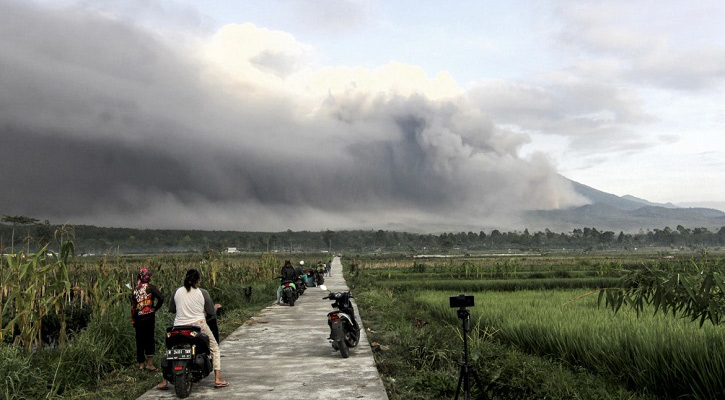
667,356
552,311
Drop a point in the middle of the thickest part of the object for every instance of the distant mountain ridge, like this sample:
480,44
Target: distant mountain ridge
648,203
625,213
625,202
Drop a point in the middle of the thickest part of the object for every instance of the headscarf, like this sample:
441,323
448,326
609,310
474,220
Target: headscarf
144,277
143,298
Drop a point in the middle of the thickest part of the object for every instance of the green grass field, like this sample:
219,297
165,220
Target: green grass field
665,355
557,321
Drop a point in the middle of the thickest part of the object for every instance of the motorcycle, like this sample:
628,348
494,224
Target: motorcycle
319,278
188,358
289,292
344,331
308,277
301,286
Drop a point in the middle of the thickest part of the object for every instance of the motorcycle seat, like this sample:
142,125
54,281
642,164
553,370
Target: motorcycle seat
194,328
198,338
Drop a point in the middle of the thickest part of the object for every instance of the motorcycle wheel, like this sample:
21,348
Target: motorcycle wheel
344,351
182,385
352,339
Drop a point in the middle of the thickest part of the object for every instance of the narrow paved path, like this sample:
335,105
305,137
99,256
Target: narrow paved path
283,353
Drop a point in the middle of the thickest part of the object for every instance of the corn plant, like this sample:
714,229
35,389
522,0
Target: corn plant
35,286
697,292
60,286
106,290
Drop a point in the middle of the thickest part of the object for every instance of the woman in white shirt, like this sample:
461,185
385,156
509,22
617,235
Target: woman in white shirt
192,305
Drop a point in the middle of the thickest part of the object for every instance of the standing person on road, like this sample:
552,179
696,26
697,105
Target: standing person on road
191,305
328,266
143,318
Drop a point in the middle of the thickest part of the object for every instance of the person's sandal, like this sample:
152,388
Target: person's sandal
221,384
162,387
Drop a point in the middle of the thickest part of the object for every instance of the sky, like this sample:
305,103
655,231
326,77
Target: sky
340,114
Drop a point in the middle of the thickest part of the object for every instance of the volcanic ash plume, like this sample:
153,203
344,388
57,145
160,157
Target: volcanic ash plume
105,122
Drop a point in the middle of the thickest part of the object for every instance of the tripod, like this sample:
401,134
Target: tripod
467,370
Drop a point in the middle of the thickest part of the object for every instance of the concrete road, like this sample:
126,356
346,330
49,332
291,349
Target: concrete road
283,353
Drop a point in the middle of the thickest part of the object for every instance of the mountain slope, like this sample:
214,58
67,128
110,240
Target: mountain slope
626,213
648,203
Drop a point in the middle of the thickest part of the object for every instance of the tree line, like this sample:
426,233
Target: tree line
28,234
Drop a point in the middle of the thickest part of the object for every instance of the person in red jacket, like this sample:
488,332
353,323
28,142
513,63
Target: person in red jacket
145,300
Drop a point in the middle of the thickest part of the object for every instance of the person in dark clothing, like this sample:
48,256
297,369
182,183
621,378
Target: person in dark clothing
145,300
288,274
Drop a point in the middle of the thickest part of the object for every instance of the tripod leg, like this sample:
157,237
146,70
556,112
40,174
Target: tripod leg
482,395
460,380
466,385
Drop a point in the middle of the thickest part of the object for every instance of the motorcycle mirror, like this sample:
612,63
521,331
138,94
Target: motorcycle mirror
323,287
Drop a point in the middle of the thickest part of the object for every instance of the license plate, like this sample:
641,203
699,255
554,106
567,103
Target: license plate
178,354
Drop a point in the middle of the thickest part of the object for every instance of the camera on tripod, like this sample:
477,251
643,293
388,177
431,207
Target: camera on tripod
461,301
467,371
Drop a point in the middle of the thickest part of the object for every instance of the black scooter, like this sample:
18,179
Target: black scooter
344,330
289,291
188,358
301,287
319,278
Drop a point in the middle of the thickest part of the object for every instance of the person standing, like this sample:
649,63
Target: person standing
145,300
328,267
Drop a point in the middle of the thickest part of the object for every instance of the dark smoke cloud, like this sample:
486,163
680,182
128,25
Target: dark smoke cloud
102,122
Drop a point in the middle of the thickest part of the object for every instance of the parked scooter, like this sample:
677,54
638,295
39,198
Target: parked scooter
319,278
344,330
301,286
188,358
289,291
308,276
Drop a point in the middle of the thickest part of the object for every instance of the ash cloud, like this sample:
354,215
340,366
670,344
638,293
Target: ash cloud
106,123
